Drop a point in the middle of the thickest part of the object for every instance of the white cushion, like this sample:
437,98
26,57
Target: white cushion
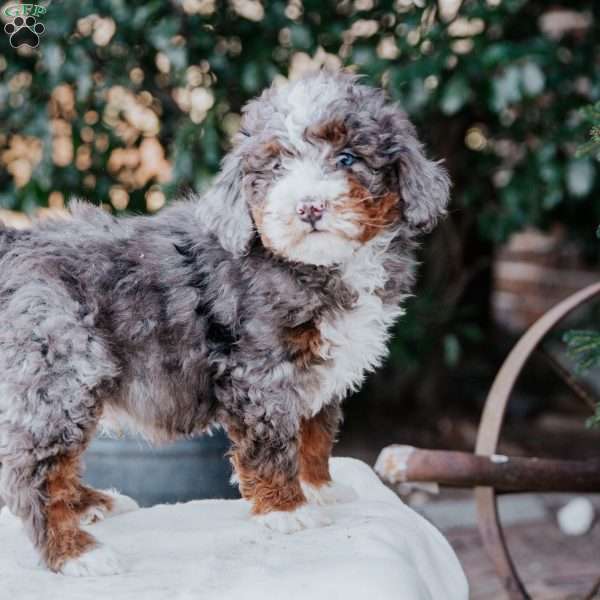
376,549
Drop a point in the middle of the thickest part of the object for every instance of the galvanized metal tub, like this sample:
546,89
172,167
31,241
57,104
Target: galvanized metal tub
186,470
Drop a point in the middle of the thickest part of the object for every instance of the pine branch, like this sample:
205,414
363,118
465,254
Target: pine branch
584,347
591,114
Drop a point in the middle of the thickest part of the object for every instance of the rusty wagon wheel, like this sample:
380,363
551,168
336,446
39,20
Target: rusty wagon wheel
489,434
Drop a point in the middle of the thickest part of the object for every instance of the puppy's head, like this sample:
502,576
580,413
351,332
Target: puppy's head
324,165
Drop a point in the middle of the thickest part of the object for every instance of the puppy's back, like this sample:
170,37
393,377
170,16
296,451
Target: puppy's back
8,235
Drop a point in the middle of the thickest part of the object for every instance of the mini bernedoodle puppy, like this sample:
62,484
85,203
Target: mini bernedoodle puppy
256,307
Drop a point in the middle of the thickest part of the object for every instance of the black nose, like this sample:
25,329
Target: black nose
310,211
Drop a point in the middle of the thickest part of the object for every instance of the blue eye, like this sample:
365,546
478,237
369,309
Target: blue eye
345,159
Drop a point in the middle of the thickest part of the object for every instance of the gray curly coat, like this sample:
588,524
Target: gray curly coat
195,316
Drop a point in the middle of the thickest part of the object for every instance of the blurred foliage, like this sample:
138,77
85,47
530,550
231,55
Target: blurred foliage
130,103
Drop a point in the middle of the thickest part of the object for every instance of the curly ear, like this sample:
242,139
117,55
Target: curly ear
424,185
424,188
223,211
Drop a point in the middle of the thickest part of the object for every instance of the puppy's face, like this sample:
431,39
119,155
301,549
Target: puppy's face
318,198
323,169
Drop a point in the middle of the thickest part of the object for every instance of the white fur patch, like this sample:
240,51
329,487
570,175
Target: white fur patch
354,342
330,493
288,235
321,248
97,562
121,504
308,101
304,517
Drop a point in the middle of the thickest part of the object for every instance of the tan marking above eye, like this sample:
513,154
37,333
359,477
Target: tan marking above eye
264,155
334,132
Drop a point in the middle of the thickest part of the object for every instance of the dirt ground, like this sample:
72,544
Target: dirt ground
552,566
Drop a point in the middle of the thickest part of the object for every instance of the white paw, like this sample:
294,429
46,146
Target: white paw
330,493
121,504
304,517
93,515
98,561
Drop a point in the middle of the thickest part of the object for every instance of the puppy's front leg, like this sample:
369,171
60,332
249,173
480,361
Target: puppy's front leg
266,461
317,436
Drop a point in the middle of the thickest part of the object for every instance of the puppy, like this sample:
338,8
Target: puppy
256,307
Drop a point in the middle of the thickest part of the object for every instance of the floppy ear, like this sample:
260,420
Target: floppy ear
223,211
424,185
424,188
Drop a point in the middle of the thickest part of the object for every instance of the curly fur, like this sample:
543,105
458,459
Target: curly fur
223,309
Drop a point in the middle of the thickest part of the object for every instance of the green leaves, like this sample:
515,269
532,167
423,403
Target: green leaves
455,95
581,173
161,34
517,82
584,347
251,78
591,115
301,37
594,420
452,350
506,88
533,79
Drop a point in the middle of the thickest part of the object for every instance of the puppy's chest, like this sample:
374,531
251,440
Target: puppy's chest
351,343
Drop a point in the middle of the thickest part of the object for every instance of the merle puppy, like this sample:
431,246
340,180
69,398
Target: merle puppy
256,307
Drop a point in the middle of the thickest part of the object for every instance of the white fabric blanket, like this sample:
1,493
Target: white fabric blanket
376,549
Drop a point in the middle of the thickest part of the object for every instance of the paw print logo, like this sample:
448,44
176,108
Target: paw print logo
24,32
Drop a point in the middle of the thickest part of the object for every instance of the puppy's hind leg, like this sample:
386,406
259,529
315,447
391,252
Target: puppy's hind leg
68,548
46,496
54,372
